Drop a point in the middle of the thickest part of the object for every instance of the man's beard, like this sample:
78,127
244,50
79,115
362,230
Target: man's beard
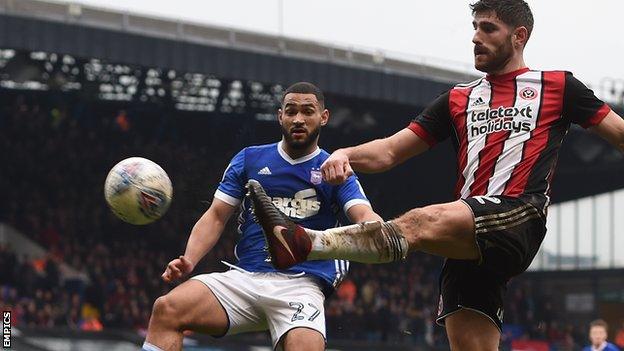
301,143
499,60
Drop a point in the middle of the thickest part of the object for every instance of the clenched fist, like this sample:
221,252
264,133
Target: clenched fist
177,269
336,169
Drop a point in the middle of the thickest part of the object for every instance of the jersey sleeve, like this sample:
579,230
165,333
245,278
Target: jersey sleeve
580,105
351,193
433,124
231,189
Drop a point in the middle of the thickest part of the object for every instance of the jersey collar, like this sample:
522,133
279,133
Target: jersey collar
302,159
507,76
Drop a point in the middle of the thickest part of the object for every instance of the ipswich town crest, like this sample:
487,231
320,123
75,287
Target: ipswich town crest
316,177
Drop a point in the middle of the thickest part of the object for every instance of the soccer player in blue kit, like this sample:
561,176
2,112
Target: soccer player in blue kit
252,295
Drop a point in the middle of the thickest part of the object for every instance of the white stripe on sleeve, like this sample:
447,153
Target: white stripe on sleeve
231,200
354,202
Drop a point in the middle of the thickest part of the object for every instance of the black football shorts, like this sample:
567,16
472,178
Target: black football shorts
508,232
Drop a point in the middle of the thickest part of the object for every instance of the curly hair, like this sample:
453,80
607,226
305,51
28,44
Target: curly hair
305,88
515,13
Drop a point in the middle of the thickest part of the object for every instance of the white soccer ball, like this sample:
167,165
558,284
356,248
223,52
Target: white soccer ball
138,190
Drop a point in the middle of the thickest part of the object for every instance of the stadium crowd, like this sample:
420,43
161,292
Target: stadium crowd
58,149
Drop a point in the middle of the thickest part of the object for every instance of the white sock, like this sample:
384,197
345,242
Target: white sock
149,347
368,242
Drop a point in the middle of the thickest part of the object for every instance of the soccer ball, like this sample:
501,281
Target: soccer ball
138,190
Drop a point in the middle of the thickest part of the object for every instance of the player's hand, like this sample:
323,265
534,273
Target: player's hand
177,269
336,169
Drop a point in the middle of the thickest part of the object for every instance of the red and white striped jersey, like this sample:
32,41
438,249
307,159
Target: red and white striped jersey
507,129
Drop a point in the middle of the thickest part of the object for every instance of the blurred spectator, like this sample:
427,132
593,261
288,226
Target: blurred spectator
347,291
122,121
619,336
598,333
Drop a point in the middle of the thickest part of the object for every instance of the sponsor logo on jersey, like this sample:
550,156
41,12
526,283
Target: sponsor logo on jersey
478,102
303,205
500,119
265,171
501,112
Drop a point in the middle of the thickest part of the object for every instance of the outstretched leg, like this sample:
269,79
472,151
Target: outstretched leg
445,230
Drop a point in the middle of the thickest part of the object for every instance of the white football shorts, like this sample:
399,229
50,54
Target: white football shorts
267,301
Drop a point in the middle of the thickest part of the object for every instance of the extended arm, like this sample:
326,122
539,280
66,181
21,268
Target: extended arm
373,157
204,236
431,126
611,128
382,154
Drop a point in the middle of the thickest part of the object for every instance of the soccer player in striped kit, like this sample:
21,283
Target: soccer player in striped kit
507,128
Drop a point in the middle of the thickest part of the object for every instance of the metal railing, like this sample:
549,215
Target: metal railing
586,233
611,90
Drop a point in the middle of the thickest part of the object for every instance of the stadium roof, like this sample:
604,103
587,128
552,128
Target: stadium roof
71,13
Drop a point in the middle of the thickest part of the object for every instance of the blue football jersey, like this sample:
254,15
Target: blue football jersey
297,189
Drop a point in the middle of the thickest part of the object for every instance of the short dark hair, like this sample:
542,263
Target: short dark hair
599,323
515,13
305,88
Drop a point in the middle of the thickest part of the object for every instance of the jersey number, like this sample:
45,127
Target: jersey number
299,307
483,199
